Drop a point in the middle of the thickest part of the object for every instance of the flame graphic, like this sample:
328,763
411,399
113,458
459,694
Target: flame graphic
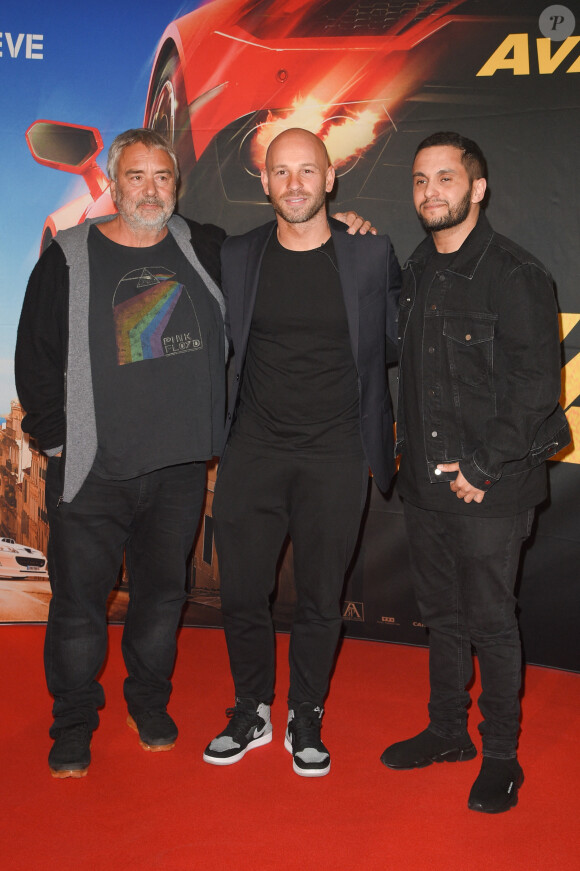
346,135
351,136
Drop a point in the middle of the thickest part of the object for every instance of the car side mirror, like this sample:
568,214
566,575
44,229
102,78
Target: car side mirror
69,148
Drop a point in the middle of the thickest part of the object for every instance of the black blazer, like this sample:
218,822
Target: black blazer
370,279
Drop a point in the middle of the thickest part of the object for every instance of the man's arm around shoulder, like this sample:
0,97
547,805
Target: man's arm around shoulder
207,240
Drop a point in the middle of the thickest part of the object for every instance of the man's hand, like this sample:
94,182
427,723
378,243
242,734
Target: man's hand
356,224
461,486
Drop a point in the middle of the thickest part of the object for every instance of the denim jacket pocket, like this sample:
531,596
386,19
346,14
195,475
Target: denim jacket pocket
470,348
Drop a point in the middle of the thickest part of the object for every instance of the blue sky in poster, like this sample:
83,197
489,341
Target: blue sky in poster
94,70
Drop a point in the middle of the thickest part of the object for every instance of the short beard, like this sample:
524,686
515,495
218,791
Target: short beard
305,214
141,221
453,217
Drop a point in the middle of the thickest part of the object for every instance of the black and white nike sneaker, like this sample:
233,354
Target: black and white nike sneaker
311,757
249,727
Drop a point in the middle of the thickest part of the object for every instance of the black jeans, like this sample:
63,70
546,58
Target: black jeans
153,518
464,573
258,501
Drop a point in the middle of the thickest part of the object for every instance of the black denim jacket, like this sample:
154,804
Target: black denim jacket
490,360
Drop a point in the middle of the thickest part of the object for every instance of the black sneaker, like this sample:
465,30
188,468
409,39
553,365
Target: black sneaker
427,747
311,757
157,731
496,787
70,755
249,727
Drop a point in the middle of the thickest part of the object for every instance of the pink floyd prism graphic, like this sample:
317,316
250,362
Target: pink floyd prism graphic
154,316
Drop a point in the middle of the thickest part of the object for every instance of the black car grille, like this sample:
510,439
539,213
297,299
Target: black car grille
30,561
369,19
334,18
268,19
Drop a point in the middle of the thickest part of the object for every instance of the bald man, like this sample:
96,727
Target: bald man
311,315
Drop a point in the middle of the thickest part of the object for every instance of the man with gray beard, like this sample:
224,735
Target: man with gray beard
120,365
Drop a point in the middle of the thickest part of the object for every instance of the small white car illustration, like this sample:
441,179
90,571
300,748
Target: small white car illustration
20,561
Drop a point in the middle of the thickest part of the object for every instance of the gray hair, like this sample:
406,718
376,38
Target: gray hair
149,138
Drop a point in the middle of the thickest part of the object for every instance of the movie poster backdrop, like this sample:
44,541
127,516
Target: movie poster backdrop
372,79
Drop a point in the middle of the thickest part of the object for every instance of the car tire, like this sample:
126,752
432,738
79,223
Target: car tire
167,110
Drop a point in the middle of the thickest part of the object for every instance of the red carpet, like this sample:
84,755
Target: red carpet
144,811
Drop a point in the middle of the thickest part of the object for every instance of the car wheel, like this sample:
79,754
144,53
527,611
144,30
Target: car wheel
167,110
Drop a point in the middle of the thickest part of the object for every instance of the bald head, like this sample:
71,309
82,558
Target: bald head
297,138
296,178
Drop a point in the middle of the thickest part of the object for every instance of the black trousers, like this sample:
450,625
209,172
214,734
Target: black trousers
153,518
258,501
464,574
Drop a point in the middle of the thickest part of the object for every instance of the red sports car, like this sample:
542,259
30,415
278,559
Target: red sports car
229,75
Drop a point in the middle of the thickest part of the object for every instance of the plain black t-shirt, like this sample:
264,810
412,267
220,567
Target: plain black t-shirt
300,390
150,325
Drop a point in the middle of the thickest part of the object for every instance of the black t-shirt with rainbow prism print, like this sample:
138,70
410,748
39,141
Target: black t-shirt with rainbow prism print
151,324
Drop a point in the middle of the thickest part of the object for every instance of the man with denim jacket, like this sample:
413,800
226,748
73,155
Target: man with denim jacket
478,415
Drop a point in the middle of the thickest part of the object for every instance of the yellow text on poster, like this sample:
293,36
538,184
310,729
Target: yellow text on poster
570,392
